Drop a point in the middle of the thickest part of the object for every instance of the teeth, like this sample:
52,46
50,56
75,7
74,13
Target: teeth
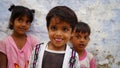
58,40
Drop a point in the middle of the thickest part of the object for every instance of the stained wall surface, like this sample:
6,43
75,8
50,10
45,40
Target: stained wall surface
103,16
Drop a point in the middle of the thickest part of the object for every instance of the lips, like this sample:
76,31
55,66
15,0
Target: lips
58,39
22,29
81,45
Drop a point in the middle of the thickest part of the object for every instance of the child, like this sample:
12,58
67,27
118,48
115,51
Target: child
16,49
80,39
56,53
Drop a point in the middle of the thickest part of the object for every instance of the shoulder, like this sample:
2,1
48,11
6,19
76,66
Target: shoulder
5,44
90,55
41,44
7,38
30,37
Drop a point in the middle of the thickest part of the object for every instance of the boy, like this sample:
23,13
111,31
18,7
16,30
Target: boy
79,40
56,53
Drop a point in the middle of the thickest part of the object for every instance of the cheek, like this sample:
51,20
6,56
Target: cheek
75,43
75,47
50,34
68,36
86,42
28,26
73,40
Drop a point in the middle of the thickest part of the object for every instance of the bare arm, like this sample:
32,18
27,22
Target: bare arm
3,60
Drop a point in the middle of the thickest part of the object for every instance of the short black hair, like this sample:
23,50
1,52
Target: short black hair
82,27
64,13
19,11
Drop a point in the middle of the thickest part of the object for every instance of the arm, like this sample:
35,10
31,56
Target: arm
3,60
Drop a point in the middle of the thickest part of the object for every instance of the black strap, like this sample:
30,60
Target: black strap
36,54
72,59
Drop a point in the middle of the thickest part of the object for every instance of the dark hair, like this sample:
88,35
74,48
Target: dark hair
82,27
19,11
64,13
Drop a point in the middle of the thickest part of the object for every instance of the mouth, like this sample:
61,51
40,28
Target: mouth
22,29
58,39
81,45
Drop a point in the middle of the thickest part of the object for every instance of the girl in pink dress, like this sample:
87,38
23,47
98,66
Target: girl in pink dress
16,49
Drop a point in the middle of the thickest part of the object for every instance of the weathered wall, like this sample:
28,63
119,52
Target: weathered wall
103,16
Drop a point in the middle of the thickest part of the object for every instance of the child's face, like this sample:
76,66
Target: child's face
59,33
80,41
21,25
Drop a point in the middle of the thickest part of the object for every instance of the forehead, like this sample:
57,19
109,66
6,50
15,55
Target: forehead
23,17
81,33
57,22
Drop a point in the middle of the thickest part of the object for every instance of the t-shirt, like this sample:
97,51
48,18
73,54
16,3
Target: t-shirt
87,60
38,58
52,59
17,58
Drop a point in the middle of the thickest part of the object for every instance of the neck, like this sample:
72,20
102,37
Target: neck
81,53
18,35
55,48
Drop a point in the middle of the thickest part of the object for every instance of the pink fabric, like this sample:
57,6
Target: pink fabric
17,58
91,63
84,55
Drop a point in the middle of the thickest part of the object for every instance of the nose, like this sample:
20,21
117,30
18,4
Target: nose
23,23
59,33
82,39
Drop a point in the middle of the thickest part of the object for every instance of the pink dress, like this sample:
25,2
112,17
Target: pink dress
17,58
87,60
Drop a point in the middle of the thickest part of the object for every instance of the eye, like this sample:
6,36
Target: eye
65,29
20,20
28,22
78,37
86,38
53,28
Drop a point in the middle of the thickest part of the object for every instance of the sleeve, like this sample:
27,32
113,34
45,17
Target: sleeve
2,47
93,63
34,41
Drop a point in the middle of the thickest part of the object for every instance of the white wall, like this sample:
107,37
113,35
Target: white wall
103,16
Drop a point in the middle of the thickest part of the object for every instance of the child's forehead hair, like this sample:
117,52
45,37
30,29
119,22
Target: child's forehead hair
21,11
28,15
59,20
82,27
24,15
81,30
64,13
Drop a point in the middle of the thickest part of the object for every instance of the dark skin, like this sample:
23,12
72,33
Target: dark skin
3,60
